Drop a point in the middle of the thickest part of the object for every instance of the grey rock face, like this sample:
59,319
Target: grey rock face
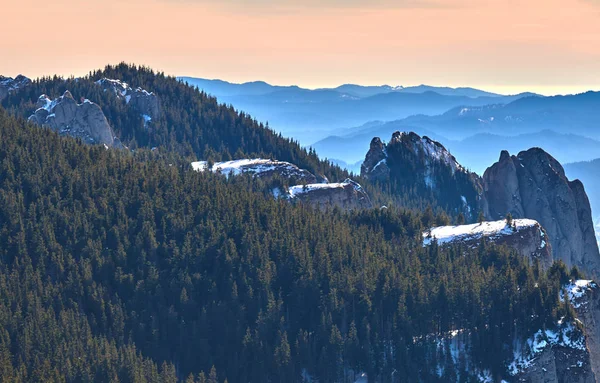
375,164
146,103
527,237
348,195
85,121
260,168
587,307
8,84
533,185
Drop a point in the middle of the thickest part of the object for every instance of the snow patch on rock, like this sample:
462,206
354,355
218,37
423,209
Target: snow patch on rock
146,103
254,166
294,191
576,291
564,335
494,229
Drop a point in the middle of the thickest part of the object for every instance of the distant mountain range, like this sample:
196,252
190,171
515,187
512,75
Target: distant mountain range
579,114
220,88
309,115
476,152
565,126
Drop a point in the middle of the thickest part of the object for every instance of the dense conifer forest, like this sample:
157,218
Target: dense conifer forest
128,266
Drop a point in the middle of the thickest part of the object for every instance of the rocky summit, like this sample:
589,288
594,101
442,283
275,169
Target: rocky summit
9,84
85,121
533,185
410,161
530,185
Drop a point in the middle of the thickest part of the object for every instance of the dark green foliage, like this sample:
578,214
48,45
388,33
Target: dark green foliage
113,264
191,123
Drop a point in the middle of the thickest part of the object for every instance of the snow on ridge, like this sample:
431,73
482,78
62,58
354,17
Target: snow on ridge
13,84
120,87
46,103
437,151
493,229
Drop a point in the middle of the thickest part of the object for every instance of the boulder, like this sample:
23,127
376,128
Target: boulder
65,116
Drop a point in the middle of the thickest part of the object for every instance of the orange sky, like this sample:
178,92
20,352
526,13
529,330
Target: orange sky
549,46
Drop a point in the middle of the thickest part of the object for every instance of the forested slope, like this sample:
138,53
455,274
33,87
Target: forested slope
114,263
191,123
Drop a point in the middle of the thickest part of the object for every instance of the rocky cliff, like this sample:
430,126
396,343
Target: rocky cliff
413,162
585,298
533,185
556,354
526,236
144,102
260,168
348,195
9,84
530,185
85,121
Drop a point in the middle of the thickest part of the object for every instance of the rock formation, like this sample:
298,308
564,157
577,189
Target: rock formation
144,102
8,84
530,185
559,365
317,191
414,162
85,121
526,236
533,185
260,168
347,195
585,298
375,165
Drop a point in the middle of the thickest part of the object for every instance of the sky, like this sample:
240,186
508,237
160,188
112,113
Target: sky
508,46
